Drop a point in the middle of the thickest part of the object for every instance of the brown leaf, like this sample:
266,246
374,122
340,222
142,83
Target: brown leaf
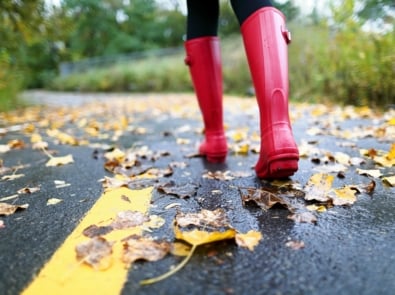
8,209
303,217
364,188
28,190
142,248
96,252
263,198
160,172
204,218
181,191
219,175
126,219
95,231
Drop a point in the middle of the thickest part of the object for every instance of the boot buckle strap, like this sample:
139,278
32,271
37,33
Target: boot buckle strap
286,34
188,60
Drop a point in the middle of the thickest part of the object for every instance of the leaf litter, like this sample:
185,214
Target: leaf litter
136,168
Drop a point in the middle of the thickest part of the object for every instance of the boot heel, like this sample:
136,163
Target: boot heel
216,158
283,168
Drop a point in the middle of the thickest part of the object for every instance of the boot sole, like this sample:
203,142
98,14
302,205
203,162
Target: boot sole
280,167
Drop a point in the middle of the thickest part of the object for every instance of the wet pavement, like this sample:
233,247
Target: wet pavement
349,250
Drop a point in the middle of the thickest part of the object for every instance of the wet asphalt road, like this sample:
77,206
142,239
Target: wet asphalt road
350,250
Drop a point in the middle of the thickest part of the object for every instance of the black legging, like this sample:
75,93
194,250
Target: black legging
202,18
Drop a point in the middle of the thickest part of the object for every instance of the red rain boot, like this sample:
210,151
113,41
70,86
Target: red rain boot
204,61
265,38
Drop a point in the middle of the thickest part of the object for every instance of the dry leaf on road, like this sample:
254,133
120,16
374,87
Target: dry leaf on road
9,209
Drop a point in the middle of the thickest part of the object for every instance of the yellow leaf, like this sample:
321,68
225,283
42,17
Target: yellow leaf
318,187
317,208
180,249
248,240
376,173
344,196
36,138
116,154
384,161
390,180
199,237
391,154
58,161
239,135
53,201
183,141
242,148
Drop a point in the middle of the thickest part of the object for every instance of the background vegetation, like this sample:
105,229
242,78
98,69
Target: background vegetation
343,56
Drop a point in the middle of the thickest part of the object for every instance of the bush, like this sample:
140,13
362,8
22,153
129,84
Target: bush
10,83
347,66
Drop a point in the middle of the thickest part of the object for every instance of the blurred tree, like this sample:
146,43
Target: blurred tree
376,9
288,8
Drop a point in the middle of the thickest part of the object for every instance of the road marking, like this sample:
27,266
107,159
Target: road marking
63,274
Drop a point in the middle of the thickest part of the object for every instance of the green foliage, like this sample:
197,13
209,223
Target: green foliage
10,83
344,63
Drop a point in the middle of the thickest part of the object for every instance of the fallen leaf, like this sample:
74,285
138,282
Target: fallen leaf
318,187
249,240
263,198
182,191
95,231
166,172
16,144
364,188
303,217
116,155
343,196
376,173
8,209
204,218
180,249
143,248
127,219
198,237
4,148
318,208
295,245
219,175
61,183
155,221
96,253
53,201
389,180
9,197
58,161
12,177
28,190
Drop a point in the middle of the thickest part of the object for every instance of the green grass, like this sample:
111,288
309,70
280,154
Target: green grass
347,67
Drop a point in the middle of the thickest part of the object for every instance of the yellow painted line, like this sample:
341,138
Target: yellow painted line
63,274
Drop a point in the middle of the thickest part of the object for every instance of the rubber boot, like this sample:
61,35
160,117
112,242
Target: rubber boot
203,56
265,38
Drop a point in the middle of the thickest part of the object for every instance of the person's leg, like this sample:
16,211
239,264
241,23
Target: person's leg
265,38
203,56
